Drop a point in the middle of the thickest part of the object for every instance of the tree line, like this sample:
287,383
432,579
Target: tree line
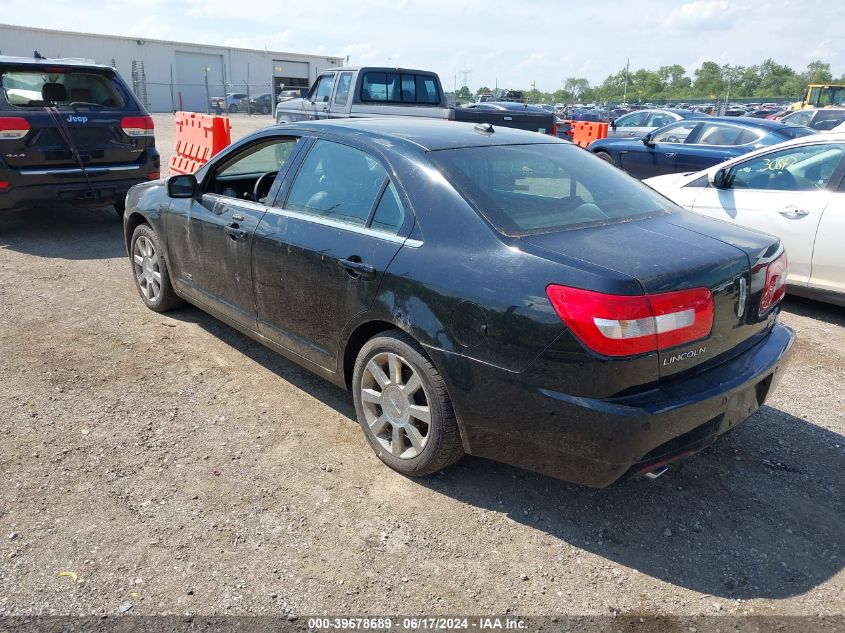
672,83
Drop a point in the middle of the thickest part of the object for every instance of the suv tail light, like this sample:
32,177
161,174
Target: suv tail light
13,127
775,287
554,129
620,325
137,125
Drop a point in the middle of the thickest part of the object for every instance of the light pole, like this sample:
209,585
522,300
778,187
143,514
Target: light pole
207,95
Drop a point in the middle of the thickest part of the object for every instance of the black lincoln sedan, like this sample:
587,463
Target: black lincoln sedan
479,290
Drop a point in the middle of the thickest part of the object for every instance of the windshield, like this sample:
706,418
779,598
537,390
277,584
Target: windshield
40,89
528,189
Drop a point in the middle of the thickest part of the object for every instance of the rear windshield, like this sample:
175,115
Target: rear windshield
528,189
399,88
39,89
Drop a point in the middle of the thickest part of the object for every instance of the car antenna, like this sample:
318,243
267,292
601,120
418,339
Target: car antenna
485,127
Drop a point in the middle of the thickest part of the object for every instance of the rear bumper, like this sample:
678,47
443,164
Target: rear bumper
596,442
109,184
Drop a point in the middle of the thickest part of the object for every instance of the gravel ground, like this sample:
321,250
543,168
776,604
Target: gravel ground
176,466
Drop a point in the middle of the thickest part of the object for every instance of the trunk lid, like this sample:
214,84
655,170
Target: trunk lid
678,251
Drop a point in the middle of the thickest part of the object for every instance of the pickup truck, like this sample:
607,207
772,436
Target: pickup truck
388,92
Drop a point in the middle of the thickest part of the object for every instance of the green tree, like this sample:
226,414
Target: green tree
463,94
708,80
484,90
818,72
575,87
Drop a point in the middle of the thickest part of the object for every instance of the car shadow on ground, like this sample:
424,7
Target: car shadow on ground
826,312
64,232
758,515
329,394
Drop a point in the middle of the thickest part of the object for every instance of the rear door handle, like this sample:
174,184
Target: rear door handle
234,231
793,212
670,154
358,268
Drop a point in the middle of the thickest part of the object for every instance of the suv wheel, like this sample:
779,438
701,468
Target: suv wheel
233,108
150,271
403,407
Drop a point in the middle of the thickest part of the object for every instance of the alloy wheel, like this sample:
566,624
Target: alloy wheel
395,404
147,267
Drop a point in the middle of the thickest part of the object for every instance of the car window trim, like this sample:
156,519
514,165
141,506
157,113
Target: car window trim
396,238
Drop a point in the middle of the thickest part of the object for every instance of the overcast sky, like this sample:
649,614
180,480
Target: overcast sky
512,42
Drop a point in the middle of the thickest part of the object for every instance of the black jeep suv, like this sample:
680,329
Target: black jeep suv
70,131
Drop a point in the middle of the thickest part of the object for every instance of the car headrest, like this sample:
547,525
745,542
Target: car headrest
53,92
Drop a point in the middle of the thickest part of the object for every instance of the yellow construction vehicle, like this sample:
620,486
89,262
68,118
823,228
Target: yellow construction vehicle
821,96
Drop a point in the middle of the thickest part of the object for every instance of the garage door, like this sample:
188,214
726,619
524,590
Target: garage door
189,73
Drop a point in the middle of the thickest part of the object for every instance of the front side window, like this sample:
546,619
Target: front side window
337,182
799,118
323,89
40,89
237,176
795,169
635,119
527,189
677,133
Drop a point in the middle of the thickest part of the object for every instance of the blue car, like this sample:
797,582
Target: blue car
692,144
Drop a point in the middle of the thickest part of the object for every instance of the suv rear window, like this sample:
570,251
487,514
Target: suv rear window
399,88
25,88
529,189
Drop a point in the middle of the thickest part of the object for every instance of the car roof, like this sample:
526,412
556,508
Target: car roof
767,124
31,61
424,134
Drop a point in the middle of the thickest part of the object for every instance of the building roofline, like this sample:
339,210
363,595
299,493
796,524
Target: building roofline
265,51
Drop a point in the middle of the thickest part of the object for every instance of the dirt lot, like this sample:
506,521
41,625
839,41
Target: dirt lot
176,466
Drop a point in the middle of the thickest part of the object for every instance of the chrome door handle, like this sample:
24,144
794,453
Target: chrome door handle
237,217
670,154
793,212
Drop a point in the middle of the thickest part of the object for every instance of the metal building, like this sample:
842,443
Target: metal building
168,76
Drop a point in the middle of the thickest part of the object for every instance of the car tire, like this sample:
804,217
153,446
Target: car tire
149,270
120,208
265,109
606,157
415,433
233,108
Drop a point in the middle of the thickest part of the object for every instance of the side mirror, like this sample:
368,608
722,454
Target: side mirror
613,124
182,186
325,98
719,178
647,140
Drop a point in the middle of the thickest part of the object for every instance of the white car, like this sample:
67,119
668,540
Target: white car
794,190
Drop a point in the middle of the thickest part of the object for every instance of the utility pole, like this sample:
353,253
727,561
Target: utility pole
627,68
207,95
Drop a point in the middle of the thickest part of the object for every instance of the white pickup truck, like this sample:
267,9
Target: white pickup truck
379,92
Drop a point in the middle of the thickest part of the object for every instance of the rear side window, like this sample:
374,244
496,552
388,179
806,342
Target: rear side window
39,89
399,88
337,182
528,189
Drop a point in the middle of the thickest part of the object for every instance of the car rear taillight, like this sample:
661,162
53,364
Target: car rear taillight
775,287
621,325
154,175
13,127
4,184
554,129
137,125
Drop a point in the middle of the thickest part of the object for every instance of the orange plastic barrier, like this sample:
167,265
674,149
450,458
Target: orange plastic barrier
198,138
585,132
